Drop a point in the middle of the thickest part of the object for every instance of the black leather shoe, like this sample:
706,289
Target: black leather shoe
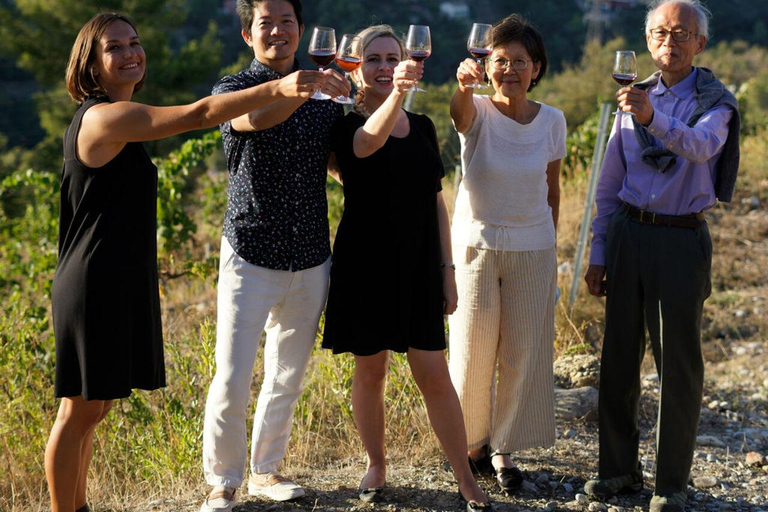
510,479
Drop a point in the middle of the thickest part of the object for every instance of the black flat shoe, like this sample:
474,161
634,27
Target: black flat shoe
473,506
509,479
370,495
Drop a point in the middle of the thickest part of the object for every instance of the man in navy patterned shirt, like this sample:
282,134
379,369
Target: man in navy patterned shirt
275,257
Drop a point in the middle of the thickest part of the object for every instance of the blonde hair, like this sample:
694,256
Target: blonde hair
80,80
367,36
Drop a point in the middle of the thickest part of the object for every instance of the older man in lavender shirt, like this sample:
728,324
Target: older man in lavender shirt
666,164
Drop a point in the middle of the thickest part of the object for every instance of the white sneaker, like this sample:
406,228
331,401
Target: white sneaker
221,499
274,486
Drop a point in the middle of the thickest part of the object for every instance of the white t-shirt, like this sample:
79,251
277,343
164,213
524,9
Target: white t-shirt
502,199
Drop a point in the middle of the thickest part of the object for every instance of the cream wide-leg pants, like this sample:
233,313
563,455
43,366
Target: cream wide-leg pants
501,346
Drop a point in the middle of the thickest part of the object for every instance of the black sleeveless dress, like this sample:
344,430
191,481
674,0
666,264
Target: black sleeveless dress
386,290
106,303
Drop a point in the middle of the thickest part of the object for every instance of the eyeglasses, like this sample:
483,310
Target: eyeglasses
500,64
680,34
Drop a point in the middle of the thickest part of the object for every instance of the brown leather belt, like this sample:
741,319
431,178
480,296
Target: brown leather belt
691,221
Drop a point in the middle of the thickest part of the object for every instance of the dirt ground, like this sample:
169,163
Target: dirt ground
729,472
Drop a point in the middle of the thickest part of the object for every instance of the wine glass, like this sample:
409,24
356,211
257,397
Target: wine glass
479,45
624,70
348,58
418,46
322,51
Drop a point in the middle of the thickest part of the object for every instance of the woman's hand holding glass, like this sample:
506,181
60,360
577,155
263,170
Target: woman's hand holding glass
407,74
469,74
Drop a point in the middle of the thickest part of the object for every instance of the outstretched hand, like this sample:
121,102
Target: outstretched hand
406,74
469,73
335,84
302,83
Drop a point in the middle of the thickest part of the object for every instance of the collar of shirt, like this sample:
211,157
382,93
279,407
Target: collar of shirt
267,73
682,90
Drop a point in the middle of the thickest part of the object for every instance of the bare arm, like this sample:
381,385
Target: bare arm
553,194
463,109
450,294
280,110
107,127
333,168
372,136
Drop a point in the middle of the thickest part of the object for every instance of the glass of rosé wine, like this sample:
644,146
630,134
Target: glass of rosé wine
348,58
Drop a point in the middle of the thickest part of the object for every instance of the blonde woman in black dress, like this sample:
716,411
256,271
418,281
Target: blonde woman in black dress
391,277
106,305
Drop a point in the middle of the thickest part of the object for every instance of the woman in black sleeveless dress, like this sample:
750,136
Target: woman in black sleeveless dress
391,276
106,305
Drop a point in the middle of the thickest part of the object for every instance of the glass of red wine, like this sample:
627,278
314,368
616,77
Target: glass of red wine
322,51
418,46
624,70
348,58
480,45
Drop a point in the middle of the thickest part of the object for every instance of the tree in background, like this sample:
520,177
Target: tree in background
39,34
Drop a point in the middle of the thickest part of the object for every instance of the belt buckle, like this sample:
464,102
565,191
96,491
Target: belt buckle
644,220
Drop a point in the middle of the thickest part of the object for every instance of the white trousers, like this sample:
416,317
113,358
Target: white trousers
501,346
251,298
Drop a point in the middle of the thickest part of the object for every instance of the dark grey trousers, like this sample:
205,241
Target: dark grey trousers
658,278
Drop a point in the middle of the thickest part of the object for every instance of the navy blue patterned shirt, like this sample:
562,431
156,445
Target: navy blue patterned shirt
277,213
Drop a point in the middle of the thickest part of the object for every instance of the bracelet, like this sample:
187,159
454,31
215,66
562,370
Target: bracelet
448,265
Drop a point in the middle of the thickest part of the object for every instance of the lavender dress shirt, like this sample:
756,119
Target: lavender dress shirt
687,187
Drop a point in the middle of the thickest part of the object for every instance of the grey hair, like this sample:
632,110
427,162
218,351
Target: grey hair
702,14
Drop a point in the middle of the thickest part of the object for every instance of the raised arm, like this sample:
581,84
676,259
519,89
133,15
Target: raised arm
280,110
463,109
372,136
127,121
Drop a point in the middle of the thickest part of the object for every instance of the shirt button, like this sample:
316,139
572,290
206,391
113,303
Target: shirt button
653,196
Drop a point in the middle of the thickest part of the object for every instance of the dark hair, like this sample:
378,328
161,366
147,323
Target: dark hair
245,11
80,80
514,28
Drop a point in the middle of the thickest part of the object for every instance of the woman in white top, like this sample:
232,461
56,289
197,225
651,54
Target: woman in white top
504,234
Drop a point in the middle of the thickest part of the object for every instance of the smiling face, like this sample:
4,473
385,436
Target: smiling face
511,82
274,35
673,58
381,58
120,62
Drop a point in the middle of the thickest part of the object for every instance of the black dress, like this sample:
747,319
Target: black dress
106,303
386,285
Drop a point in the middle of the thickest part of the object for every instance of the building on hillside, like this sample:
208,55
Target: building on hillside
455,10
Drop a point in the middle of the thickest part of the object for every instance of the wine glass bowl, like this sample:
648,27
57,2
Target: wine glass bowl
348,58
624,70
322,51
479,45
418,46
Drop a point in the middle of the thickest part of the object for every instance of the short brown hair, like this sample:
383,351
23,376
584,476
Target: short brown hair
80,80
